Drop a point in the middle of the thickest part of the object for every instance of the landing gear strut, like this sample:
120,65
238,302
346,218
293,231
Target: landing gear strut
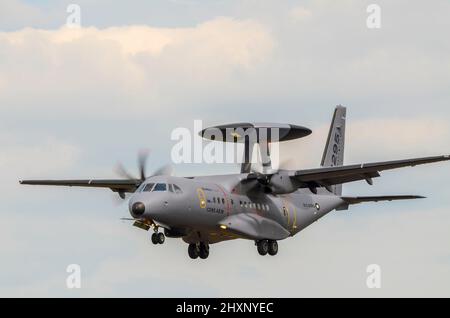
267,247
198,250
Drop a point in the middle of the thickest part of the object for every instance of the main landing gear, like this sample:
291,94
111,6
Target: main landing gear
158,238
196,250
267,247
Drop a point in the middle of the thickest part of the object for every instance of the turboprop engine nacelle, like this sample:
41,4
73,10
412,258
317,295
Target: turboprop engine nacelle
281,183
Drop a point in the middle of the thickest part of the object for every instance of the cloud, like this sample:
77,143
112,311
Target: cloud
123,71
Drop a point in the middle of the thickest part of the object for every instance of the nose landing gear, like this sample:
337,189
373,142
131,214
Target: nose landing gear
196,250
158,238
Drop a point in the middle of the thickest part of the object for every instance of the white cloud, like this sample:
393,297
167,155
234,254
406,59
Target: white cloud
121,71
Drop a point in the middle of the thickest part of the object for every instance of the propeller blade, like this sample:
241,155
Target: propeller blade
142,162
121,171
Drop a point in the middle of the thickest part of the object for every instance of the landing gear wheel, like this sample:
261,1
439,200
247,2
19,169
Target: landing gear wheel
193,251
155,238
263,247
204,251
273,248
161,238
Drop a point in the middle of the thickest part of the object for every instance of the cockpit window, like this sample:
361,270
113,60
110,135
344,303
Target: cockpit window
177,189
148,187
139,189
171,188
160,187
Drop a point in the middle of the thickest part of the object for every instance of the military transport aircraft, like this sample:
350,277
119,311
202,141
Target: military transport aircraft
264,207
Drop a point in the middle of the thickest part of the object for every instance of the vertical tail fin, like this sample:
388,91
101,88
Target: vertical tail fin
333,154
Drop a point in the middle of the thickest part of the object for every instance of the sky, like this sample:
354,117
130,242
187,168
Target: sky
75,101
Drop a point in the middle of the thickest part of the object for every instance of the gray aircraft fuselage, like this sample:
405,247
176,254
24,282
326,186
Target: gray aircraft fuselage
205,204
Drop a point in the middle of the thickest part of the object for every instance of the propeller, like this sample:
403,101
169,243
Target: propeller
142,164
272,181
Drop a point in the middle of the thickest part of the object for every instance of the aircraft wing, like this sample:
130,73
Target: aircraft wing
118,185
328,176
356,200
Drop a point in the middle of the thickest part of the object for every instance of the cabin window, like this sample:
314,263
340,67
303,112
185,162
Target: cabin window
223,201
160,187
148,187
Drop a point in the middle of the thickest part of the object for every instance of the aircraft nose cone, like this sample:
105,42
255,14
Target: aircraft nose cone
138,208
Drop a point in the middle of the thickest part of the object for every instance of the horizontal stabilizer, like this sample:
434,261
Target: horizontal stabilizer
356,200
